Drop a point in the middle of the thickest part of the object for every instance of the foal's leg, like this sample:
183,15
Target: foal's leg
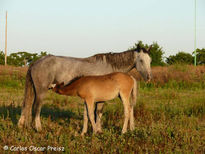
126,104
90,106
99,109
85,121
132,125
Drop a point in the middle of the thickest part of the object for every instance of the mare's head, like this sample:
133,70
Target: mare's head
143,62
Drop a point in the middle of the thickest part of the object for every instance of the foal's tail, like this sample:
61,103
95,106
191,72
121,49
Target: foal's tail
29,93
134,92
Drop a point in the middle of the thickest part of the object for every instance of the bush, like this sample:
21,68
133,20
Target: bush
200,56
180,58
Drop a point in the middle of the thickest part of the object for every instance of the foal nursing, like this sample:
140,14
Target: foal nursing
95,89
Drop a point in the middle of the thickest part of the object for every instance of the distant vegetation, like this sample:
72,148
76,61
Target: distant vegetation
158,59
157,55
180,57
21,58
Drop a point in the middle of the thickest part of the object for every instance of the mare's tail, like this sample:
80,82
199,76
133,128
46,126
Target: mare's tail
26,112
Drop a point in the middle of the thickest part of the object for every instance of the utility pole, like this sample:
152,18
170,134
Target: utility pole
195,33
6,41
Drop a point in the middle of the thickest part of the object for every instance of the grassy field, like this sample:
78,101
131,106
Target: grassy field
169,117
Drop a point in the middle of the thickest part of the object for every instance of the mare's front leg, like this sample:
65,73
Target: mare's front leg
85,121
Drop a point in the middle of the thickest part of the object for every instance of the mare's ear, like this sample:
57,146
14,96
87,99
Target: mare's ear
150,47
138,47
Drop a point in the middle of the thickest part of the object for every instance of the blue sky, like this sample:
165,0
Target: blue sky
82,28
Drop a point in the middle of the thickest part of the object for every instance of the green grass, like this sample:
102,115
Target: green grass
169,118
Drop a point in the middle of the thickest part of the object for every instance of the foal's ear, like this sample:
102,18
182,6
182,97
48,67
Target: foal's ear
61,84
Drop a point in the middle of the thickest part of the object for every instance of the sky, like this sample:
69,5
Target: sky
82,28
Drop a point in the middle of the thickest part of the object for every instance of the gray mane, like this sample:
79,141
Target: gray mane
116,60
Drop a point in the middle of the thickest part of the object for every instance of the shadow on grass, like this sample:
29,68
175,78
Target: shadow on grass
53,112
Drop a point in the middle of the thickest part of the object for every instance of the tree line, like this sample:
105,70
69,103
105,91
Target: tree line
21,58
158,59
157,55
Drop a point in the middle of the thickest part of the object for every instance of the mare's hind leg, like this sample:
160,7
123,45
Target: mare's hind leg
37,109
98,110
85,121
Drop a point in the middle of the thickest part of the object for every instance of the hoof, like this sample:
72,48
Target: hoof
82,134
99,131
38,129
132,128
20,125
123,131
21,122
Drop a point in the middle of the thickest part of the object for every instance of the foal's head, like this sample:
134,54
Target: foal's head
58,87
143,62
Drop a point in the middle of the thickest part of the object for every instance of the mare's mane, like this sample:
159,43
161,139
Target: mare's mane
117,60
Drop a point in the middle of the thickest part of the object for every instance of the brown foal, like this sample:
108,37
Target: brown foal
99,89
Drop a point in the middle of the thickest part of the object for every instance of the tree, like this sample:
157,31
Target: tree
180,58
200,56
21,58
2,58
156,53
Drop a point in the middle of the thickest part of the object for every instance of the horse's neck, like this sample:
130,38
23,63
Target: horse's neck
68,91
106,68
124,69
108,63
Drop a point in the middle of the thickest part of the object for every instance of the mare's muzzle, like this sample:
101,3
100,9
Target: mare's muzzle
149,77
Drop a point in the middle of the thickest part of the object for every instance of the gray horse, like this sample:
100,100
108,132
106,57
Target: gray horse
51,70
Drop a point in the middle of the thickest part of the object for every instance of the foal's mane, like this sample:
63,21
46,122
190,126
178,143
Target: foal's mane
116,60
74,79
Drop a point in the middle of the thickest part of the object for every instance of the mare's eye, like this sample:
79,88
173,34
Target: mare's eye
141,61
